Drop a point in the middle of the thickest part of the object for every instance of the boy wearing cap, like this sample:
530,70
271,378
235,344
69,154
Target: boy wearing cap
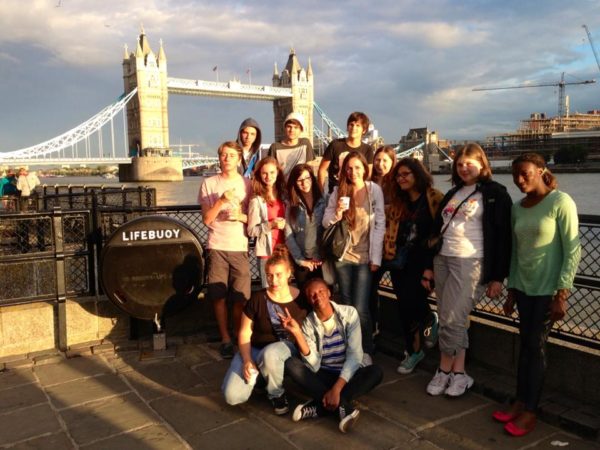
293,150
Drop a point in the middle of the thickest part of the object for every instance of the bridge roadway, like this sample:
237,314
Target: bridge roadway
189,160
229,89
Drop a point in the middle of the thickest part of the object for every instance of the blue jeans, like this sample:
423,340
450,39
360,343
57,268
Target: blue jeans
270,360
355,288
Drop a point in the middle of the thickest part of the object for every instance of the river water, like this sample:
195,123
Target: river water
583,187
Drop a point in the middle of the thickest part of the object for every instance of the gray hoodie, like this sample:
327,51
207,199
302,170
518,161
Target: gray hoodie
247,167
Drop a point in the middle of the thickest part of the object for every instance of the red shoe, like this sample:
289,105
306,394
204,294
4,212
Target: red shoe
517,431
505,416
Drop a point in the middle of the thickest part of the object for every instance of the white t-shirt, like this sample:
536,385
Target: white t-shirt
464,236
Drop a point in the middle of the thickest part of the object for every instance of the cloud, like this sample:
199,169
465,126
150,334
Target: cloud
439,35
407,63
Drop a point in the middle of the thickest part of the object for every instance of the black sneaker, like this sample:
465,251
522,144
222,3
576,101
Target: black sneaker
348,415
308,410
280,405
226,350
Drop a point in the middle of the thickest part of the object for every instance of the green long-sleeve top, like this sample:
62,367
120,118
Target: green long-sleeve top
545,249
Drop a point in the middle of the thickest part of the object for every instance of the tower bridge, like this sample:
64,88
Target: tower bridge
145,153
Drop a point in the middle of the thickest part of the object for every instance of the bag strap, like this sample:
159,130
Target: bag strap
456,210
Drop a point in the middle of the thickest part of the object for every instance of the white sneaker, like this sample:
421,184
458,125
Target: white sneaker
459,384
439,383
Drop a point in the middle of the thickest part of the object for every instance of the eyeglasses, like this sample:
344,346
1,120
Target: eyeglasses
302,180
403,175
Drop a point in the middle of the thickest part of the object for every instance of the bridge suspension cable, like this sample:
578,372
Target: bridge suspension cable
336,131
79,133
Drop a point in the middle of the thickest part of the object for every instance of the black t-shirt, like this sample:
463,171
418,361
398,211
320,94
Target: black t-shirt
266,324
336,151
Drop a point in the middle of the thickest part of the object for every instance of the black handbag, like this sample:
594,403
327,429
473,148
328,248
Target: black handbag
336,239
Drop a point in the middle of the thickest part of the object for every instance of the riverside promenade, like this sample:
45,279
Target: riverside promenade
104,397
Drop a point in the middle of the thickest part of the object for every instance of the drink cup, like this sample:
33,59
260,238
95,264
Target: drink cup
345,201
253,376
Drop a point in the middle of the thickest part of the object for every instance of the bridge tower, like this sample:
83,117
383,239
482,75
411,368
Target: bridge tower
147,113
148,116
301,83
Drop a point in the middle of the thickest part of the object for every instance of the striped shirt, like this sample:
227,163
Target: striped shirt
334,351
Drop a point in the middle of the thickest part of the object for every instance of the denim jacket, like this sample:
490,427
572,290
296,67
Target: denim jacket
303,236
348,324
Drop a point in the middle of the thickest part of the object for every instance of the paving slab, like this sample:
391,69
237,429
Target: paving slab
71,369
405,401
150,437
75,392
567,441
56,441
370,431
479,430
193,354
103,418
241,435
213,373
28,423
20,397
191,415
15,377
162,378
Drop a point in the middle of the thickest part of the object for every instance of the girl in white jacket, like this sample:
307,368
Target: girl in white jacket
366,219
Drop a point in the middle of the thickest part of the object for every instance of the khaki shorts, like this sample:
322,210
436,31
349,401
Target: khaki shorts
228,275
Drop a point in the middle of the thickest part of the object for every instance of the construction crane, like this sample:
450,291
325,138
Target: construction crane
592,45
561,90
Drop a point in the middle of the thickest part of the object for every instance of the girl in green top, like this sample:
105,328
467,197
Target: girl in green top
545,255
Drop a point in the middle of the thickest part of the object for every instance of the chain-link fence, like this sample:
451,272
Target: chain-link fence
34,245
30,248
582,322
110,219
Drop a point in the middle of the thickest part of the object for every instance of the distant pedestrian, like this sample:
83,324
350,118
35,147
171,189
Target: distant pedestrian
474,217
357,126
545,255
249,138
293,149
26,184
224,200
266,212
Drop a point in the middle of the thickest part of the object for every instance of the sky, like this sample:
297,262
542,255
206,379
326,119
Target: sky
406,63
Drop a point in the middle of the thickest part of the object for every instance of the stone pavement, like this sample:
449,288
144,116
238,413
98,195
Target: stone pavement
115,401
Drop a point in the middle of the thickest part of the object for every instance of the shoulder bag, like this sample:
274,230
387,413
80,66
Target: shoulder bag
436,242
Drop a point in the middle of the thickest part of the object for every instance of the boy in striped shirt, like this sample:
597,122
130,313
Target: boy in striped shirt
330,345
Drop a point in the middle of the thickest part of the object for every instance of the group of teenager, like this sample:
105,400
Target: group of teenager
459,245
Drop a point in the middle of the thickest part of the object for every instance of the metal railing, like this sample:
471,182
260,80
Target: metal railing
38,250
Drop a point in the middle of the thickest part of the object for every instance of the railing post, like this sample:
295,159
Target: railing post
60,309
